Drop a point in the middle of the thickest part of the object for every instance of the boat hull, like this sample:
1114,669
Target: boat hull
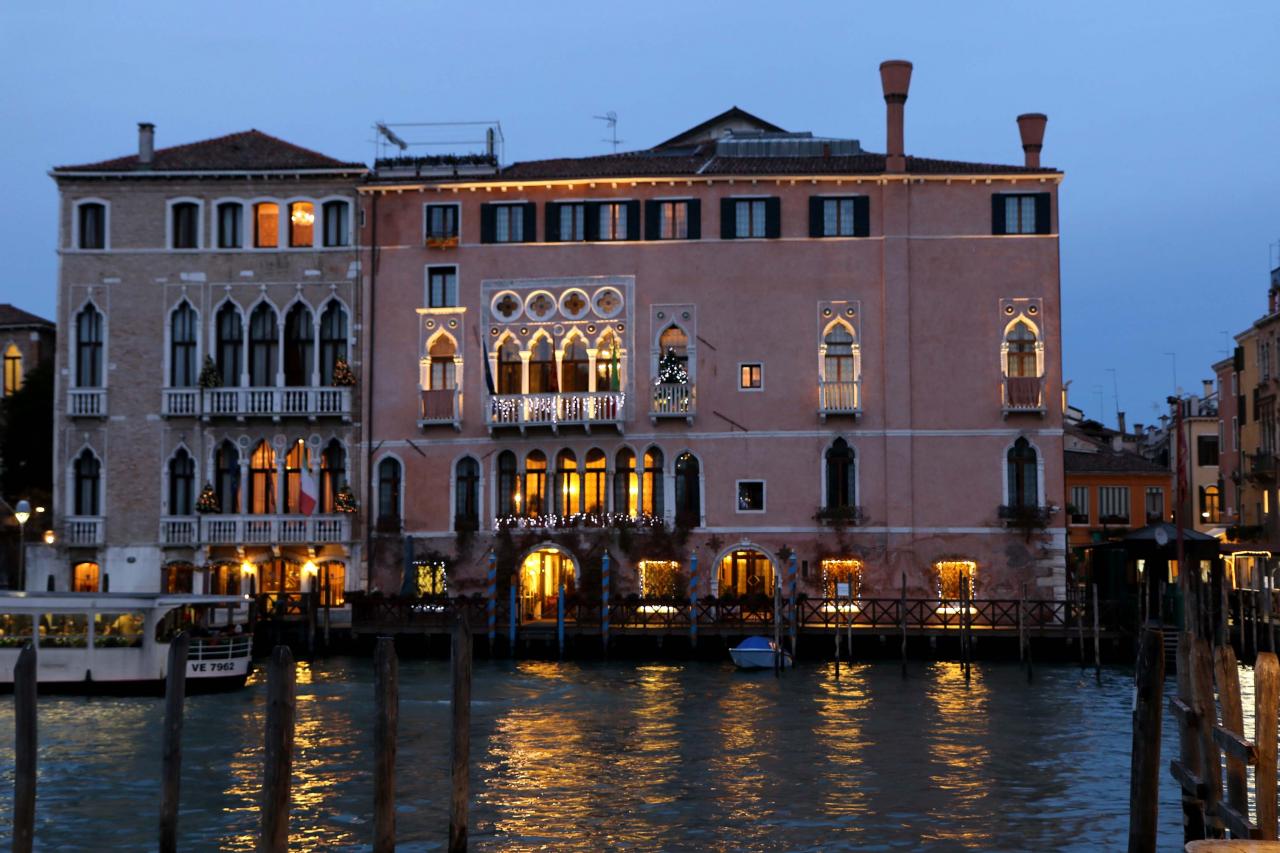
757,658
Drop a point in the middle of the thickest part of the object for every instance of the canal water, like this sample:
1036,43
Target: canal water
581,756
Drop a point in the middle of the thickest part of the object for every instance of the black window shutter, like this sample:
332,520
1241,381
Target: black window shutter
727,228
1042,214
1238,358
652,212
815,216
486,223
694,223
862,216
551,222
530,222
1241,410
997,214
633,220
773,217
591,222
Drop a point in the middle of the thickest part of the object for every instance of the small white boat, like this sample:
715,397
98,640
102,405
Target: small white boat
758,653
119,642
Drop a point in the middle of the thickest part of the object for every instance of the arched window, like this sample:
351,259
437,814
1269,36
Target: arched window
508,485
333,340
443,369
688,490
1210,504
838,363
608,370
575,369
185,225
626,484
594,497
673,356
509,368
566,485
182,483
1021,357
89,348
182,346
230,345
841,488
92,222
651,484
333,475
542,368
262,480
466,499
264,345
336,228
230,225
299,345
227,482
88,472
266,225
297,460
389,491
302,224
1023,486
535,484
13,374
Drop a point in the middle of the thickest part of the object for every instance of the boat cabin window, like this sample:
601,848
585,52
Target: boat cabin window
15,630
117,630
64,630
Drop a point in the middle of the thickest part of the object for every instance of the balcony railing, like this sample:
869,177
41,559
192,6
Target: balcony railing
840,398
672,400
277,403
580,408
215,529
181,403
443,406
1262,465
84,530
1023,394
179,530
87,402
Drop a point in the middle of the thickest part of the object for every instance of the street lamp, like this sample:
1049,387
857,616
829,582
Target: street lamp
22,512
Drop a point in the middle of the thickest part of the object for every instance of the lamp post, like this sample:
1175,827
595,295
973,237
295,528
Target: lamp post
22,513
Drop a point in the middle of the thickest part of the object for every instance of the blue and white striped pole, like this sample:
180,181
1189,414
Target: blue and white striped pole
560,618
693,599
511,620
491,590
604,602
791,595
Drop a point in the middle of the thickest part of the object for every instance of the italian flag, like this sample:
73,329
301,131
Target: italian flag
308,493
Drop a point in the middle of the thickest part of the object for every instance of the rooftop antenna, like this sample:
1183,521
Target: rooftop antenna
387,136
1176,390
611,120
1115,392
1226,342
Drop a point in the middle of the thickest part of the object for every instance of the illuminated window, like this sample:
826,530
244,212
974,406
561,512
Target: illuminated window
230,345
661,579
626,484
333,584
442,287
337,226
118,630
66,630
751,377
299,346
84,577
224,579
1023,475
1020,359
89,348
613,221
949,573
262,480
594,497
297,460
673,356
746,572
842,572
230,225
510,368
185,225
566,484
302,224
432,580
651,486
466,501
264,346
1210,502
443,375
12,369
87,471
838,365
266,225
92,225
751,496
182,483
608,373
575,367
177,578
673,221
535,484
333,339
542,368
182,346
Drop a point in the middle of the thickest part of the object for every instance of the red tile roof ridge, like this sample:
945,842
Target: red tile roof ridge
220,153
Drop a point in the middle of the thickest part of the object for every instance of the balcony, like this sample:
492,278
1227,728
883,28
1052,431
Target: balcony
179,530
672,400
180,403
87,402
277,403
839,398
1261,465
579,408
443,406
84,531
1023,395
215,529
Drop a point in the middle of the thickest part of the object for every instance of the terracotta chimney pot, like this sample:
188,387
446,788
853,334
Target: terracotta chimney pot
1031,126
895,80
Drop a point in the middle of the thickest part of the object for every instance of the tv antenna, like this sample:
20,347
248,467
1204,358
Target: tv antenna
611,120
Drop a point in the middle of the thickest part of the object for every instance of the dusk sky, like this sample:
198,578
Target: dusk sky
1164,118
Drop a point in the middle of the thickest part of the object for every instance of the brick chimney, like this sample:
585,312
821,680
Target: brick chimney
895,79
1031,126
1120,422
1208,388
146,141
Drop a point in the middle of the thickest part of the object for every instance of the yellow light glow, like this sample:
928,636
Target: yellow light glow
248,568
49,537
310,568
302,215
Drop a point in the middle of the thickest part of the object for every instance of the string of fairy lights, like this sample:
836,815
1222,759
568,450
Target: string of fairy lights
553,408
577,519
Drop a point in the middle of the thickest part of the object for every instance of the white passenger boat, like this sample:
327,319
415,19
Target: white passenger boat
758,653
119,642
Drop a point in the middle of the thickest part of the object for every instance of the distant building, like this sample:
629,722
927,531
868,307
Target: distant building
1203,500
25,341
1111,488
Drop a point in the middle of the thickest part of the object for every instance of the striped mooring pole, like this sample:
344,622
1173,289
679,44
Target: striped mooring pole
791,595
512,615
604,602
491,590
693,599
560,618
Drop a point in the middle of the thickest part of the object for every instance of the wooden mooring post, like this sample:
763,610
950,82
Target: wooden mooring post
1229,736
1266,695
460,733
964,627
386,722
1080,613
1210,771
1097,640
282,708
175,693
24,750
902,625
1144,767
1026,631
1185,769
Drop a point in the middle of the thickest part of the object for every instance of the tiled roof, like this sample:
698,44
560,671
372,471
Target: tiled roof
733,114
249,150
11,315
1109,462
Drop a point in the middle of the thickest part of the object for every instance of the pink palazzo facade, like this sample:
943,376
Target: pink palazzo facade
871,343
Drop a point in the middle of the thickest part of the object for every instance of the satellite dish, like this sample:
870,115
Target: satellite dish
1162,537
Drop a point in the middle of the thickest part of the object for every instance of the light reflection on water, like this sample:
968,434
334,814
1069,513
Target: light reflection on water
571,756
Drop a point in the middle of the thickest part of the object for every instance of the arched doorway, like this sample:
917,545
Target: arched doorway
542,573
746,571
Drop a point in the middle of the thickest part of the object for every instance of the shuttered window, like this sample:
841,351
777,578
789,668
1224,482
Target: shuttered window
673,219
750,218
1020,213
513,222
840,216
